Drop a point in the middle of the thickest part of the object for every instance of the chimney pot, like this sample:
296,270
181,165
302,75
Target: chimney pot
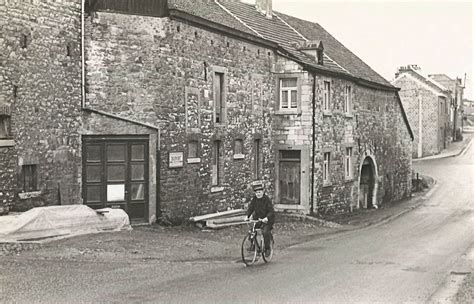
264,7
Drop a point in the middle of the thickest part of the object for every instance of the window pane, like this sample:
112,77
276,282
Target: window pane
238,147
290,154
138,152
138,192
284,99
93,173
288,82
29,178
294,104
93,194
192,149
93,153
216,163
4,126
138,172
115,152
115,173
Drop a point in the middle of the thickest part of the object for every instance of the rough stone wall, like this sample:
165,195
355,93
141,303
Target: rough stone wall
160,71
375,128
382,132
7,176
410,93
41,82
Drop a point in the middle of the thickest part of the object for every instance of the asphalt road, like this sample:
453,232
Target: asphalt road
409,259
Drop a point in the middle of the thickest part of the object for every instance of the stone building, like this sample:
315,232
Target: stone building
185,103
40,108
455,103
428,104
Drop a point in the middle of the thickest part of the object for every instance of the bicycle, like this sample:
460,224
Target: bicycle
253,245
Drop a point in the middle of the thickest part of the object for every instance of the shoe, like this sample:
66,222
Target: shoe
267,253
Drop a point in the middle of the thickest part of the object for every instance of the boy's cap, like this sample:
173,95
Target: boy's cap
257,186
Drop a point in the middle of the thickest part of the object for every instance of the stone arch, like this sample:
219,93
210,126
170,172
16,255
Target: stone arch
368,182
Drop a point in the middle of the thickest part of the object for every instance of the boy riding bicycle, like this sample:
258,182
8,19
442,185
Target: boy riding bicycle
261,207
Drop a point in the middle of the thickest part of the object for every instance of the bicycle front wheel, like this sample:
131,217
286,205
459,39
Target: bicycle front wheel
249,250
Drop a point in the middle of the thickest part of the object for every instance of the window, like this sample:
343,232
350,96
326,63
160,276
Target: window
216,163
326,166
348,163
327,96
219,98
288,93
193,149
238,149
257,164
30,178
4,126
348,99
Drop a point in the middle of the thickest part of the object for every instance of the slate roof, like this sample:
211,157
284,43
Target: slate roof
283,30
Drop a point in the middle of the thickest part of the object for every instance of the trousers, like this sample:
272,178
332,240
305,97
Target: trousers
267,234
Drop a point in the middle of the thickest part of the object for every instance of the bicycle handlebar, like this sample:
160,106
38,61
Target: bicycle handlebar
254,221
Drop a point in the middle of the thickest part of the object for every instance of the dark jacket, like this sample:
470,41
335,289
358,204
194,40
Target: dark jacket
262,208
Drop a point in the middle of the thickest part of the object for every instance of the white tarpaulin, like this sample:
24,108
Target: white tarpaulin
55,221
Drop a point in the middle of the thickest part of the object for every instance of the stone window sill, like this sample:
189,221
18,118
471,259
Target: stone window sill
194,160
349,179
27,195
327,184
348,115
215,189
327,113
289,207
239,156
6,142
288,112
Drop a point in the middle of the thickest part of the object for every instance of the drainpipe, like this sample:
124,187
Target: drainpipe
313,157
83,68
420,126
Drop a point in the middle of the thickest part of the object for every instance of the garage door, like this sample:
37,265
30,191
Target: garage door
115,174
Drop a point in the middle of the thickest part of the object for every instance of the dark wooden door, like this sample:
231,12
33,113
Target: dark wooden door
115,174
289,177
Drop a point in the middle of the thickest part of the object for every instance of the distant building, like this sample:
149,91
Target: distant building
457,91
427,103
468,112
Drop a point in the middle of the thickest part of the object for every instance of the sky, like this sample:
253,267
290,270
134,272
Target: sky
435,35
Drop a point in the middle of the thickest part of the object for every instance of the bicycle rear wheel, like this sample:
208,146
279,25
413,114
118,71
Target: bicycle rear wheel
270,256
249,251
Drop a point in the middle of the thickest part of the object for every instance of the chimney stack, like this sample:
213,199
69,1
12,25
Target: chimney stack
264,7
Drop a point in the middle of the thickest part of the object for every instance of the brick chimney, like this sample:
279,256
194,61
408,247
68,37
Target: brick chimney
264,7
410,67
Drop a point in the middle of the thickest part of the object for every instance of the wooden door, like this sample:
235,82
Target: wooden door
115,174
289,177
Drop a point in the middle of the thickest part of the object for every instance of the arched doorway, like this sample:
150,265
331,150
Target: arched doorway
368,183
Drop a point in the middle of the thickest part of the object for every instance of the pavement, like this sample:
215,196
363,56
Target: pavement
188,243
454,148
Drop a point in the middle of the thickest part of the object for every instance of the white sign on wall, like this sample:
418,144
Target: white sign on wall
176,159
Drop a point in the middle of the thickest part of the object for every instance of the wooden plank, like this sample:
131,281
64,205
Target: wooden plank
217,226
217,214
226,220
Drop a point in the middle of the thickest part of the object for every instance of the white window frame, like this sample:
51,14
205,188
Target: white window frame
348,163
327,96
289,90
326,168
348,99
